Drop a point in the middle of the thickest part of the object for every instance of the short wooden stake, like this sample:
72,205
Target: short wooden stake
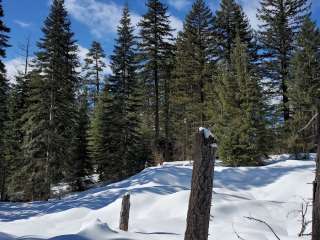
125,212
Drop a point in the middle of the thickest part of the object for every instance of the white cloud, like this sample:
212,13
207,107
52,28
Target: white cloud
22,24
101,18
17,65
82,52
250,8
13,67
179,4
176,24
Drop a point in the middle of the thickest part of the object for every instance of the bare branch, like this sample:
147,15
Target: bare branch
309,123
304,222
265,223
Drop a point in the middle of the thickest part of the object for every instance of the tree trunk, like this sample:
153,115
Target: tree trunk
156,113
125,211
2,183
316,191
167,118
201,189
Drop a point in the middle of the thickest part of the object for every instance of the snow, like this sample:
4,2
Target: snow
159,202
207,132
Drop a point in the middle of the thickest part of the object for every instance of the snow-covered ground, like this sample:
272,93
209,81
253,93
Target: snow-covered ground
159,201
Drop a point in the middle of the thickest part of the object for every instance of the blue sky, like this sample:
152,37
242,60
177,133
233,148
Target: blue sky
94,20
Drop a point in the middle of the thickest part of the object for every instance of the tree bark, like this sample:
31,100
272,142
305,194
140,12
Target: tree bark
125,211
201,189
316,190
156,113
2,182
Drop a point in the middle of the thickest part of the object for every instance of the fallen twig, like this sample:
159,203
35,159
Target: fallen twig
265,223
237,234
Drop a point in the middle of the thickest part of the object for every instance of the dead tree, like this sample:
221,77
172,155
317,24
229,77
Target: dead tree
201,187
25,53
125,211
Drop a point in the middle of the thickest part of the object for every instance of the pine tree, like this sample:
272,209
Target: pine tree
281,21
4,88
94,68
240,125
81,165
51,116
304,86
167,110
155,34
15,157
119,143
35,166
97,134
230,21
192,73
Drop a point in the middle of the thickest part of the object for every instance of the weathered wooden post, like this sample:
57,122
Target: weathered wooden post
201,187
125,211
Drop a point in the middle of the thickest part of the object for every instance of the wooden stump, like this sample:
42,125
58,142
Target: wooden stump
201,188
125,211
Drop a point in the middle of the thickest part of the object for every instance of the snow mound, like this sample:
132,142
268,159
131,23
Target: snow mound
159,202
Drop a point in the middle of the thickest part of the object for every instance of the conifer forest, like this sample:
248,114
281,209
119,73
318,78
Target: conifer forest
75,135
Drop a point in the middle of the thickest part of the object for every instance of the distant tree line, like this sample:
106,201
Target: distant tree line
62,120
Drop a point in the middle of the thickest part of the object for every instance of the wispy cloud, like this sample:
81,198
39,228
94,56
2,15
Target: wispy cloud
179,4
22,23
101,18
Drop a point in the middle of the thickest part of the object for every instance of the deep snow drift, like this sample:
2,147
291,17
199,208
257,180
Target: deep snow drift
159,201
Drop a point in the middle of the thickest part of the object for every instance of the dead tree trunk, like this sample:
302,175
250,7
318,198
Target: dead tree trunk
201,188
125,211
316,190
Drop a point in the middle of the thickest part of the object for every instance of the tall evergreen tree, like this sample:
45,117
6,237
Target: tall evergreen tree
15,156
304,86
94,68
81,165
281,20
167,110
51,116
230,21
240,124
192,72
4,88
97,135
120,111
156,34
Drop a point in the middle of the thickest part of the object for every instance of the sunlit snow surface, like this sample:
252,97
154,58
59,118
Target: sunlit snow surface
159,201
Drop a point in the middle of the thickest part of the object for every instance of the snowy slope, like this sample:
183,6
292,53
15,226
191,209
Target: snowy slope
159,204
